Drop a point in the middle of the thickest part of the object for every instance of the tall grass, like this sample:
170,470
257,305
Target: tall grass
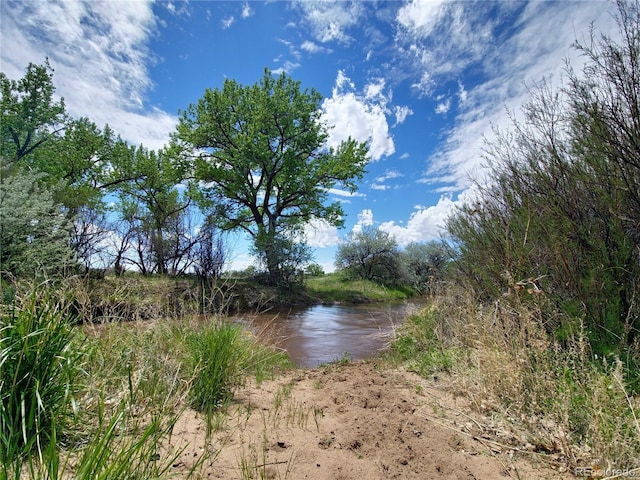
99,401
564,401
222,355
38,373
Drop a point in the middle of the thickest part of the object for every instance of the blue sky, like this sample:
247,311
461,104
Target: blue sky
423,82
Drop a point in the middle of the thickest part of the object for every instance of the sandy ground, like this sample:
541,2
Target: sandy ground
351,421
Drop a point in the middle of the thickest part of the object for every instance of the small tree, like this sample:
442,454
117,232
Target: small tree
34,231
371,254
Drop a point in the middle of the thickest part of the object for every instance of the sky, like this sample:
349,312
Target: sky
424,83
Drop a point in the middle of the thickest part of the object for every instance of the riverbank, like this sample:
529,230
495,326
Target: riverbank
135,297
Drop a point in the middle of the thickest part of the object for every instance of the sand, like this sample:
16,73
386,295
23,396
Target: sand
357,420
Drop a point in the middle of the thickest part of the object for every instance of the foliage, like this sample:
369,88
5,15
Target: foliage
34,232
425,265
260,152
314,270
72,159
30,117
38,375
286,254
156,215
561,218
371,254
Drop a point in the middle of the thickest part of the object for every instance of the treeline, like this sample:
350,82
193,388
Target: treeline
250,158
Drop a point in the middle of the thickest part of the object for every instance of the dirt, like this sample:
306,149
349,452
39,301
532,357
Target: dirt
358,420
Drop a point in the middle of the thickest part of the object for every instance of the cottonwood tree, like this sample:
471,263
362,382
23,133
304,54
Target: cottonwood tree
260,154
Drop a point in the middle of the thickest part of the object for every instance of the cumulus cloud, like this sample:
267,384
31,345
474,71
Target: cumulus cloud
360,116
320,233
424,224
365,219
100,56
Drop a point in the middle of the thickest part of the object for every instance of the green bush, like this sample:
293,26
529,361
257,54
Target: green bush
38,372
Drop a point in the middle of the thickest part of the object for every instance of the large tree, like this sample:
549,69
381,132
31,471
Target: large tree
260,153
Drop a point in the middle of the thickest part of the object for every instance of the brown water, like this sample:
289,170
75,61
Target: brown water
325,333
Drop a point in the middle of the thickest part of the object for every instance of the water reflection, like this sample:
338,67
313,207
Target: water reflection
324,333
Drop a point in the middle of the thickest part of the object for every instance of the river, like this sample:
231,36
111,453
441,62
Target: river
324,333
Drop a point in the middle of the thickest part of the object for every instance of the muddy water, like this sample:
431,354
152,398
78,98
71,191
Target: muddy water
325,333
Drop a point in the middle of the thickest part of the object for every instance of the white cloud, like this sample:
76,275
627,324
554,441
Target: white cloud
288,67
388,175
443,107
320,233
365,219
421,17
345,193
312,47
362,117
227,22
246,10
424,224
100,56
330,21
379,186
374,92
462,94
401,113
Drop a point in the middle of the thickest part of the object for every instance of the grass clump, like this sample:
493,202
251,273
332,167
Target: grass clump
216,356
38,376
421,345
222,355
